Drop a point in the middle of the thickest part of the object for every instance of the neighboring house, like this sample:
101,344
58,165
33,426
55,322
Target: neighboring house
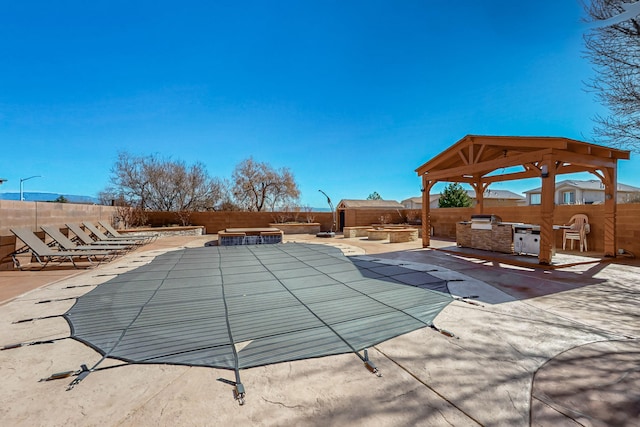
574,192
416,202
491,198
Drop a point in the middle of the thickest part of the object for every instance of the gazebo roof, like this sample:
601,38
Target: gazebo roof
478,156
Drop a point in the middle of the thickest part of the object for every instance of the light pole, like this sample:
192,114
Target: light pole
23,180
331,233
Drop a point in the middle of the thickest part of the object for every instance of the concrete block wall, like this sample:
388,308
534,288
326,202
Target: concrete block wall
33,215
216,221
444,222
361,217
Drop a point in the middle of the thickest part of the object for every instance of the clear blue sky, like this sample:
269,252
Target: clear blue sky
352,96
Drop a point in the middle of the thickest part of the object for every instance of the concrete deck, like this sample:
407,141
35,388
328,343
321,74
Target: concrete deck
542,347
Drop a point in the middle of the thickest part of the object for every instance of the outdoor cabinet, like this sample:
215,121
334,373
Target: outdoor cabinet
526,240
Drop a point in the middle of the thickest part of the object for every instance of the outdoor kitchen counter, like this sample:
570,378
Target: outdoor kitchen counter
497,237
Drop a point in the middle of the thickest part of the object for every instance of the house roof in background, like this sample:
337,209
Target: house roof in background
416,199
378,204
497,194
489,194
592,184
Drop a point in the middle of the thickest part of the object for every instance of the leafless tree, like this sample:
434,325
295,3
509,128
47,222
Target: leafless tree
227,201
614,49
258,186
152,183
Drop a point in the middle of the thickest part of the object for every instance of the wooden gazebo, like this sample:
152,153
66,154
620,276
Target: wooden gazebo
478,160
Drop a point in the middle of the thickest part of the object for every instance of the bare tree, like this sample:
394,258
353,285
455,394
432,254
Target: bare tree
614,49
152,183
257,186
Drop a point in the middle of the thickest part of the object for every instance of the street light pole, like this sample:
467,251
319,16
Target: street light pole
23,180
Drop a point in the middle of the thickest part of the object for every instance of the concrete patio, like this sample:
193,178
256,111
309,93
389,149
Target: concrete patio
539,347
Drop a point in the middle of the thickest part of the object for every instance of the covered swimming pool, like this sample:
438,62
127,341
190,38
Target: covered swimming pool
237,307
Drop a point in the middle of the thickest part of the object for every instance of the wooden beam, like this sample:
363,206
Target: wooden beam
476,159
585,160
488,166
443,156
522,141
610,211
548,206
511,176
462,156
426,210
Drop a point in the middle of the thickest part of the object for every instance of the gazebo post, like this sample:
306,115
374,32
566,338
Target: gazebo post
610,211
479,187
426,209
548,176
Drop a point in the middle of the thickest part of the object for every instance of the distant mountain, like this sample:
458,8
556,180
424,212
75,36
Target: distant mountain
49,197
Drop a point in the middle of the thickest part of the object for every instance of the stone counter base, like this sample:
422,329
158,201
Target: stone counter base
498,239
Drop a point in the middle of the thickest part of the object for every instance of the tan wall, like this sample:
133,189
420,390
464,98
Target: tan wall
33,215
360,217
443,222
216,221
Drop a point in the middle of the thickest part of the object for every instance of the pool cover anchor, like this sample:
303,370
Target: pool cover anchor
238,393
238,389
369,364
84,371
79,374
443,331
26,344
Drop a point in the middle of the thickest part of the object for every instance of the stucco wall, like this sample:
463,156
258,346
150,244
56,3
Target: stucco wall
444,222
33,215
216,221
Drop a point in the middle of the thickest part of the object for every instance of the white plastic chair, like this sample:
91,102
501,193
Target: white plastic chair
579,229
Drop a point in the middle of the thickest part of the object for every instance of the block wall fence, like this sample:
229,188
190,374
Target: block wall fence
216,221
443,221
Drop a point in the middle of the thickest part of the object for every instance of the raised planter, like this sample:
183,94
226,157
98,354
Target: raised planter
298,227
376,234
403,235
353,232
187,230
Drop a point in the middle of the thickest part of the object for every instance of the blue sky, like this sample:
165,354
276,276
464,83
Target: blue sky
352,96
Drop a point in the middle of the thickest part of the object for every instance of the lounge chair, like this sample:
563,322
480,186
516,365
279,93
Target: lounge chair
112,232
101,237
86,239
44,254
66,244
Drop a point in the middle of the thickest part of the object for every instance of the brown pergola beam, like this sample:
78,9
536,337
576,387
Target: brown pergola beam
488,166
